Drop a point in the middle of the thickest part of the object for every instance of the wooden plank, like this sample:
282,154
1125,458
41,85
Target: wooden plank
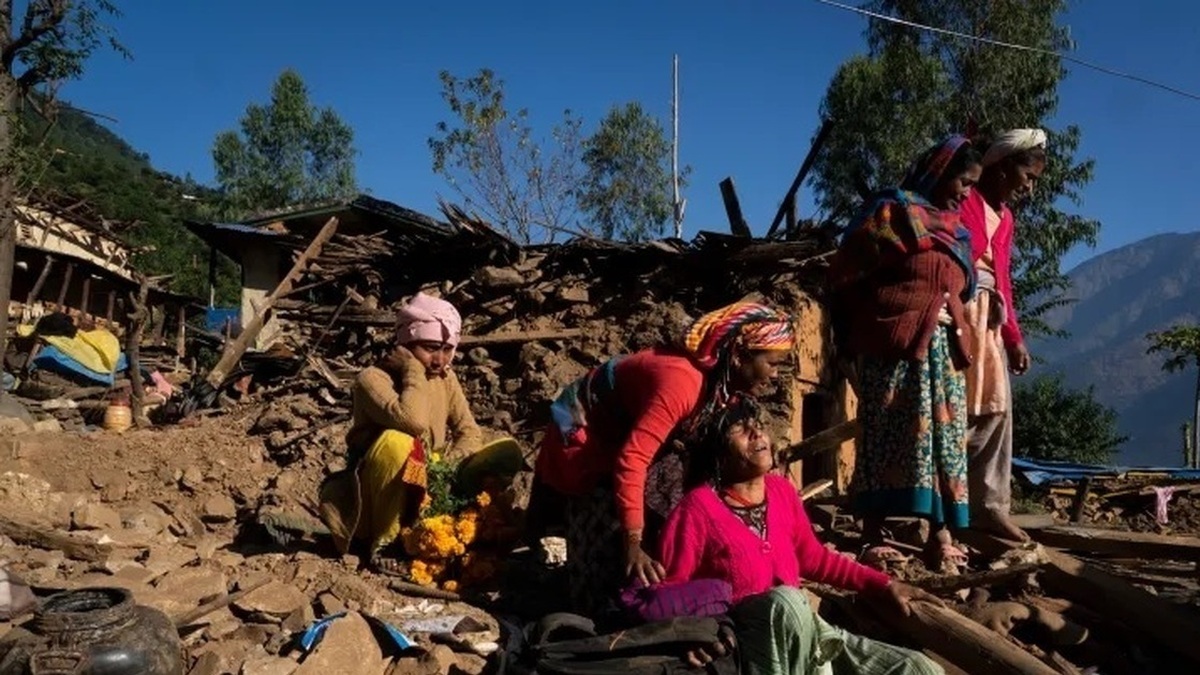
1114,542
43,536
519,336
733,209
809,160
1154,617
967,645
41,281
830,439
951,583
66,284
85,298
235,349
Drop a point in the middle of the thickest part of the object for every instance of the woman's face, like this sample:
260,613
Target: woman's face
748,453
753,372
1020,180
435,356
950,194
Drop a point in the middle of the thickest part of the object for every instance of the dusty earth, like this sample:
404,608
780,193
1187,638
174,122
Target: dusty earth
179,506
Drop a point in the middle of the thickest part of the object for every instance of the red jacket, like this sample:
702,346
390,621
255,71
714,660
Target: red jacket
974,217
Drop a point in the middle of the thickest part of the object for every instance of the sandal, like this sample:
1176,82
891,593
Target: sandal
952,554
879,556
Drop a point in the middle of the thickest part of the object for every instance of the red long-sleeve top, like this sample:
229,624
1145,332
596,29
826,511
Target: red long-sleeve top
974,216
703,539
655,390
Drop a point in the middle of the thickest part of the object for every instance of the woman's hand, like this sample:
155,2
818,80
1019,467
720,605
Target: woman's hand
899,596
1019,360
725,644
639,564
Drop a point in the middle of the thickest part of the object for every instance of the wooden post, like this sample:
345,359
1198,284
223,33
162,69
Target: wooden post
234,350
112,301
158,321
809,160
62,290
180,332
87,294
1080,502
41,281
733,209
789,222
212,276
133,348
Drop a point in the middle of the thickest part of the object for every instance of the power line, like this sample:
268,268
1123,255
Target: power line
1009,45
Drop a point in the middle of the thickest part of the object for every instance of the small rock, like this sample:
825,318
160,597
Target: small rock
479,356
10,427
439,659
347,640
299,619
354,591
574,294
253,632
92,516
329,604
48,425
192,478
221,624
229,655
271,603
187,588
37,558
499,277
268,665
145,522
207,664
219,509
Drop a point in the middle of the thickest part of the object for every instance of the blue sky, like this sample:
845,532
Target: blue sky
752,75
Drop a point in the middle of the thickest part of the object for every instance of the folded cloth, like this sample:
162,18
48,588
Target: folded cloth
697,598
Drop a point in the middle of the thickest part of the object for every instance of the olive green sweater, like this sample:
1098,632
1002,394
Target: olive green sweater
398,394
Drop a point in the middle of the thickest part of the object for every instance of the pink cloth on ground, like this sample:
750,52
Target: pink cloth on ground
704,539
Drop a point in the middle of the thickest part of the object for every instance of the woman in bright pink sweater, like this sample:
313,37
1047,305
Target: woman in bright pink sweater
749,529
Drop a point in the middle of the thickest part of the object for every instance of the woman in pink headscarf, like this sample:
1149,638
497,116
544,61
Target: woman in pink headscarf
406,407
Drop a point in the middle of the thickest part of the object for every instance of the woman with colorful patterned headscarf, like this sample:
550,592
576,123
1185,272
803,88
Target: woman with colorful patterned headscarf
607,457
898,284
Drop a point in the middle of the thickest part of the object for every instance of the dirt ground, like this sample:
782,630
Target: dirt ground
179,505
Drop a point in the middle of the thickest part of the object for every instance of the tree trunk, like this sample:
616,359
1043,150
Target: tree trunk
8,179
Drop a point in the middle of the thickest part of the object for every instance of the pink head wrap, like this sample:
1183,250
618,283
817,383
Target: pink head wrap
428,319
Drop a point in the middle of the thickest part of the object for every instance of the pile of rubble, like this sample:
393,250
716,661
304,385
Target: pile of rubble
175,517
535,318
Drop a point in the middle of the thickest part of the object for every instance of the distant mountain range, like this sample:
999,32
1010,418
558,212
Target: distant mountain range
1121,296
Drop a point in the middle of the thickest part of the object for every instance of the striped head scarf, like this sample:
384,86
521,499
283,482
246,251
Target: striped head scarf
925,174
747,324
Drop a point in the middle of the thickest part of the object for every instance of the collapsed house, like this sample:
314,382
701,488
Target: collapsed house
535,317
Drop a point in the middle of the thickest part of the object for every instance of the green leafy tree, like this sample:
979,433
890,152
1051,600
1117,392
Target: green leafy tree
1052,422
915,87
1180,345
626,187
288,152
48,44
491,157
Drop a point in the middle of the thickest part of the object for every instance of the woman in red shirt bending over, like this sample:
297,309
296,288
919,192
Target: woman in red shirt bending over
607,451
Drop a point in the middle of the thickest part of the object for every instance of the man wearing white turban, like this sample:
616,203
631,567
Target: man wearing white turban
1012,165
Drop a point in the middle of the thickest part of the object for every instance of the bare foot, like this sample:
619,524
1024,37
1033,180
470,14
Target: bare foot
1002,527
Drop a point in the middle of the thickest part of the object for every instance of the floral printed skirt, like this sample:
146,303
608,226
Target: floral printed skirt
912,460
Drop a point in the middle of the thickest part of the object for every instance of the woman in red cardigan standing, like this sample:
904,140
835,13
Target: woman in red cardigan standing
1011,167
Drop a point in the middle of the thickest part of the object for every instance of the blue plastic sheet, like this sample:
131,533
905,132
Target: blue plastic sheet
51,359
1040,472
314,632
